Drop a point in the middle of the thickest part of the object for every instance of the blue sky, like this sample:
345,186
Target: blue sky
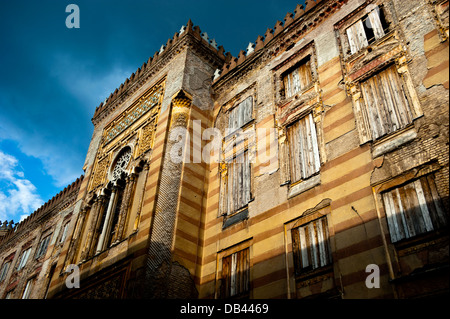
52,78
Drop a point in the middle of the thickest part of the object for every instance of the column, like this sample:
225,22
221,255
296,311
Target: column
107,222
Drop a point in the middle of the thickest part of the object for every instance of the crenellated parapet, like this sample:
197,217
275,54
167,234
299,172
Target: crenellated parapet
284,34
188,35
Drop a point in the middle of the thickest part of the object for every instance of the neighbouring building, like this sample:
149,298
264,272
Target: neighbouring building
29,250
312,165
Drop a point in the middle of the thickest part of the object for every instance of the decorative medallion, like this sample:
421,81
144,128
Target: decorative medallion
121,164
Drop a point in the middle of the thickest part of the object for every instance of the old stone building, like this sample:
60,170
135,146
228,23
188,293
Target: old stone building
29,250
312,165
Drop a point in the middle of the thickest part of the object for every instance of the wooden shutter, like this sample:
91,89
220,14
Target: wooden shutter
413,209
357,37
236,274
375,22
241,114
236,186
304,150
310,244
387,104
298,79
304,71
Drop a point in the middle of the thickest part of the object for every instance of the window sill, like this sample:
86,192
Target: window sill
313,276
235,218
394,141
303,186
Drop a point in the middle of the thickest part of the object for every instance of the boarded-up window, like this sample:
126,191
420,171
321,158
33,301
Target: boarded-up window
298,79
310,245
367,30
236,192
240,115
303,148
236,274
387,104
414,209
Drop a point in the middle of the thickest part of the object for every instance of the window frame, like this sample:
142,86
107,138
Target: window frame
359,104
370,18
4,270
22,261
28,288
402,228
228,251
40,251
235,261
64,231
299,247
311,125
301,279
238,142
306,63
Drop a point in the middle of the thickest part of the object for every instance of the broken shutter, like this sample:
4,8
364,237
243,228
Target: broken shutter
387,105
414,209
357,37
236,274
304,150
311,246
375,23
365,31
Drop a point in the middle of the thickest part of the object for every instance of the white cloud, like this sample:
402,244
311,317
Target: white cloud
18,197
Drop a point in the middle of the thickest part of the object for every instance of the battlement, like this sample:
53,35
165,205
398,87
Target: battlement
301,14
153,61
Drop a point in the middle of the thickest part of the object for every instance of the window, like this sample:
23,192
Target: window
237,150
4,270
42,248
298,79
64,233
236,274
23,259
115,216
236,192
240,115
413,209
303,148
387,104
310,244
367,30
27,290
